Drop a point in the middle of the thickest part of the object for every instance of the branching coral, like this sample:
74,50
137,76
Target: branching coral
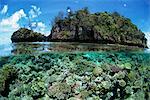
59,90
72,76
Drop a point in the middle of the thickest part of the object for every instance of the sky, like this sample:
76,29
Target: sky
17,13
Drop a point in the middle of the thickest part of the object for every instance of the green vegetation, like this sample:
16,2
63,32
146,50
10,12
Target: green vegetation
7,74
101,27
26,35
82,26
72,76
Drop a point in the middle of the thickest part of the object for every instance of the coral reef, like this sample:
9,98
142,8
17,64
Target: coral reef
76,76
7,74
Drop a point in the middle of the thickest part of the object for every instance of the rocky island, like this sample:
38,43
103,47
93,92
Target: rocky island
82,26
26,35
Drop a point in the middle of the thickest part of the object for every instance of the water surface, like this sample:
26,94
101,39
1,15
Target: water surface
38,47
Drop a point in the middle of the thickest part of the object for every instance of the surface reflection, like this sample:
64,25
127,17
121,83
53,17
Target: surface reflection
37,47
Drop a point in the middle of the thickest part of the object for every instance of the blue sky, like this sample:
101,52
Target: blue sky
15,13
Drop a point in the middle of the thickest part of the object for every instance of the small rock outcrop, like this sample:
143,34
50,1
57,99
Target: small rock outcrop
26,35
104,27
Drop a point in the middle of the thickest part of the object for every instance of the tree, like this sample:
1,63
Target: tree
80,16
59,17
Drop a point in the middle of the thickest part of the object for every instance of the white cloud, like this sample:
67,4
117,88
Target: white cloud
147,34
34,12
12,21
9,25
41,28
4,10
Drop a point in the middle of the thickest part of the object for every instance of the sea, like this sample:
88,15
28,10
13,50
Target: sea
73,71
34,47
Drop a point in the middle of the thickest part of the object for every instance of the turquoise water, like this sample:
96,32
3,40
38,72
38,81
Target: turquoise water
73,71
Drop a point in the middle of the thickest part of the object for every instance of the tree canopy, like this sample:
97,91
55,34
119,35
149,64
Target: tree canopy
101,26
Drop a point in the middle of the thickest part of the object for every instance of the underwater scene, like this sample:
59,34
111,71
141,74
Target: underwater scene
71,71
74,50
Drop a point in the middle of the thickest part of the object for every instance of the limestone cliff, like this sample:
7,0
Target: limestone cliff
104,27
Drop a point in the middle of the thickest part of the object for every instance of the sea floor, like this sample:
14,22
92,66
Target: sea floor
82,75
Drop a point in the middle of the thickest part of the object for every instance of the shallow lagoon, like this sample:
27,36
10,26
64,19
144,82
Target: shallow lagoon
74,71
39,47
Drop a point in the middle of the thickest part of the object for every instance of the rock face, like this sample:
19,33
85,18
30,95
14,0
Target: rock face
81,26
26,35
